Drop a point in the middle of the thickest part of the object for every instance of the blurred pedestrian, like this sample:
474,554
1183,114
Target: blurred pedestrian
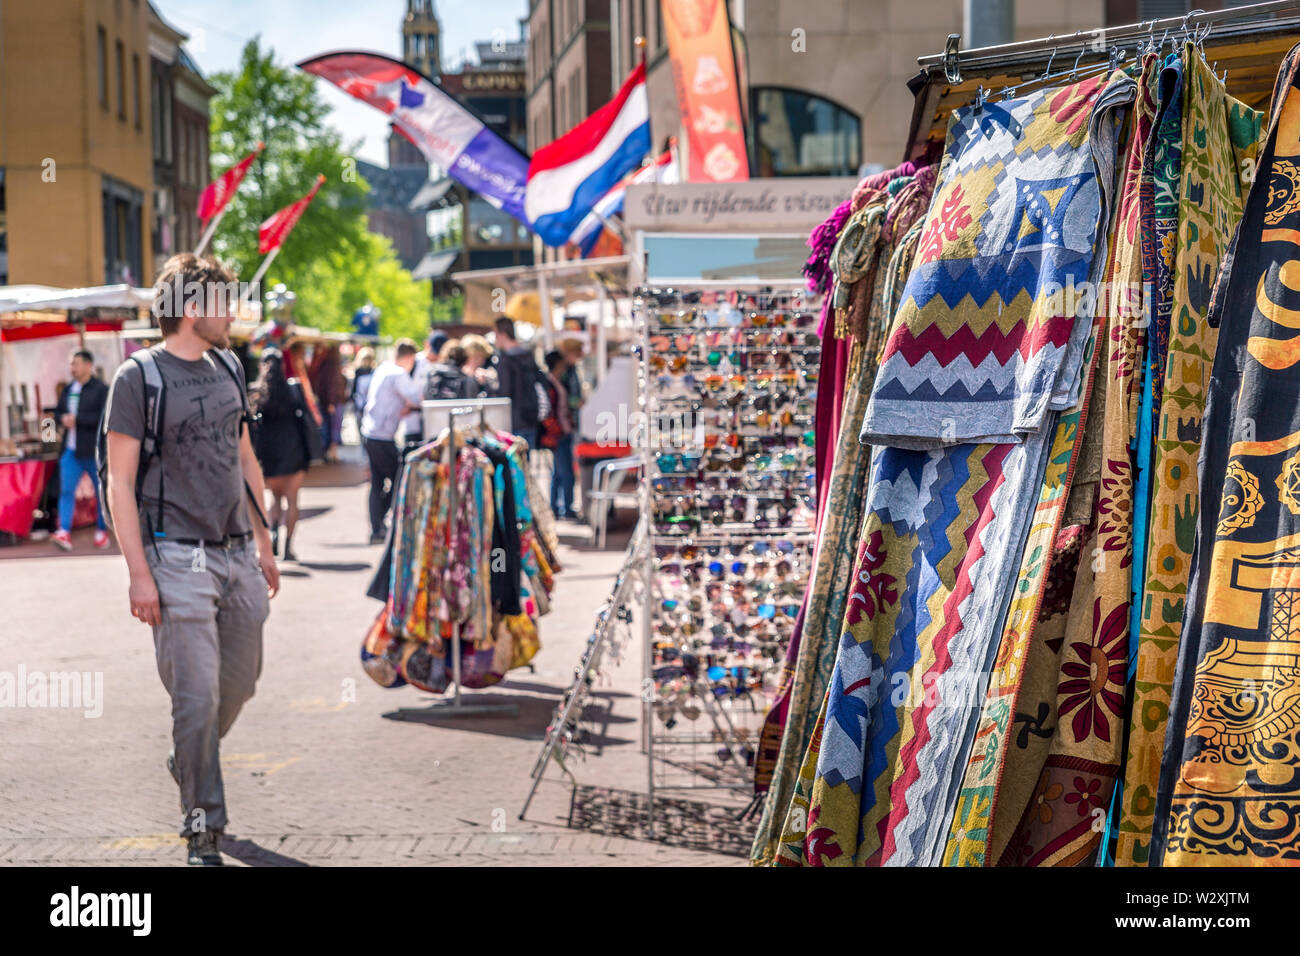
393,394
557,435
80,409
281,448
447,378
478,358
328,383
517,380
363,368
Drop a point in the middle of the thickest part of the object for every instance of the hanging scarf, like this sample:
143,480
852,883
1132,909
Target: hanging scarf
975,354
1228,793
1219,137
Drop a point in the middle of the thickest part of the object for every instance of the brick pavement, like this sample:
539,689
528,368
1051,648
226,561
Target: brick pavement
314,774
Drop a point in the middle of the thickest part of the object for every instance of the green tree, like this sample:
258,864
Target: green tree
331,260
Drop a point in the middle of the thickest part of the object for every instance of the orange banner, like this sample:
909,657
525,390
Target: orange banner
704,71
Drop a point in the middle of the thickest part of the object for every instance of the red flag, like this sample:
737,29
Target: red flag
274,231
222,189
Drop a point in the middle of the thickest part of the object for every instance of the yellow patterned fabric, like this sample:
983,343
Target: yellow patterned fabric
1219,142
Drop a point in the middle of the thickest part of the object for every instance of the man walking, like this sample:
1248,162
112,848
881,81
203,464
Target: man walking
517,380
393,394
80,410
196,546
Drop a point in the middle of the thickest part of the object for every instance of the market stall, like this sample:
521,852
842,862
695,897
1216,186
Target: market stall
40,326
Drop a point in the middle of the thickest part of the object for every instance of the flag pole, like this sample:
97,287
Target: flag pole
207,233
257,276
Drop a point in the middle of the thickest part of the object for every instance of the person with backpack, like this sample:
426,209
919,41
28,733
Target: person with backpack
447,378
80,411
183,493
517,380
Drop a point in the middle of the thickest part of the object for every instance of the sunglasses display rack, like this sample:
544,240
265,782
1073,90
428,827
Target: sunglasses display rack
728,387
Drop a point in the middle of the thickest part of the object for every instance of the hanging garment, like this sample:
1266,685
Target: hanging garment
1056,788
977,352
809,664
1219,141
1229,789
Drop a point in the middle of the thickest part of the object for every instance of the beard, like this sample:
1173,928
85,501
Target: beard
214,331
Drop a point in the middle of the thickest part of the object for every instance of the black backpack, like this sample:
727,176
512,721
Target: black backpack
155,406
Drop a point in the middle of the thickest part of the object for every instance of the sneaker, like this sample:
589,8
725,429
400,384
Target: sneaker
101,540
378,538
203,849
62,540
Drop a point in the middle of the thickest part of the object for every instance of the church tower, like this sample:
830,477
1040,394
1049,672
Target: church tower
421,38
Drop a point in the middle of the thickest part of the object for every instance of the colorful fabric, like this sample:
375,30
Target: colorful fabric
977,343
1053,812
1219,140
947,514
1228,793
969,834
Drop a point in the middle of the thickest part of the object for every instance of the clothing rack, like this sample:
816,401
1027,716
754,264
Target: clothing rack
1246,42
952,59
447,411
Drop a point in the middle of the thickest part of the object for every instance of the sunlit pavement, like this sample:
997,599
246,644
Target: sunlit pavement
314,775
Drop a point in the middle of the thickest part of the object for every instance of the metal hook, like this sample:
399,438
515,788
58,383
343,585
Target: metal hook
1052,58
979,100
951,66
1075,68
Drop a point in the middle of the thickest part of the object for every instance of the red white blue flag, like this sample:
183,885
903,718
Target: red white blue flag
566,178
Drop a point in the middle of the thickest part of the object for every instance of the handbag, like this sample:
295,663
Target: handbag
307,429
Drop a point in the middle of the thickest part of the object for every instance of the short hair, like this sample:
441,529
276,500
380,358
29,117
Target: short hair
476,343
553,358
84,355
506,326
406,347
452,353
180,275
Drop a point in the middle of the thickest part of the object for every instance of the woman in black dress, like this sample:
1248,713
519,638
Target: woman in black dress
281,448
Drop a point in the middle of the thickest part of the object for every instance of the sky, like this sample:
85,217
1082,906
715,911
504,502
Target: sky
297,29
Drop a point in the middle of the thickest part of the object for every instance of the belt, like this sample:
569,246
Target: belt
226,542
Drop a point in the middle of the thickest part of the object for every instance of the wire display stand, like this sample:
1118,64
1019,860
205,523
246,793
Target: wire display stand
446,412
564,731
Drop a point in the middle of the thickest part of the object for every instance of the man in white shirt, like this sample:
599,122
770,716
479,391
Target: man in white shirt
413,421
392,396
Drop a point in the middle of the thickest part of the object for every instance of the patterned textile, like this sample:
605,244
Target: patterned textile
808,667
946,516
1219,140
1054,798
977,343
1228,792
970,832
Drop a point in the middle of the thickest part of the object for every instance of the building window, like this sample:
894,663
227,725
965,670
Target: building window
121,81
135,87
123,257
800,134
103,68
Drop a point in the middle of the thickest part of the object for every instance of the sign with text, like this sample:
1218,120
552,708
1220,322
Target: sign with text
758,206
704,72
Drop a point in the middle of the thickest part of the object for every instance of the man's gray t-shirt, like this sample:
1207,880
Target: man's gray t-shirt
202,484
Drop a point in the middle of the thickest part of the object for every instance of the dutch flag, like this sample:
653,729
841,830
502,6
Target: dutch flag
567,177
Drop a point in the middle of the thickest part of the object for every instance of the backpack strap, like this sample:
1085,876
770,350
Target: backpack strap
154,393
227,360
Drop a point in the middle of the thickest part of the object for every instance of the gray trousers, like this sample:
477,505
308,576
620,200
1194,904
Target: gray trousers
209,650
